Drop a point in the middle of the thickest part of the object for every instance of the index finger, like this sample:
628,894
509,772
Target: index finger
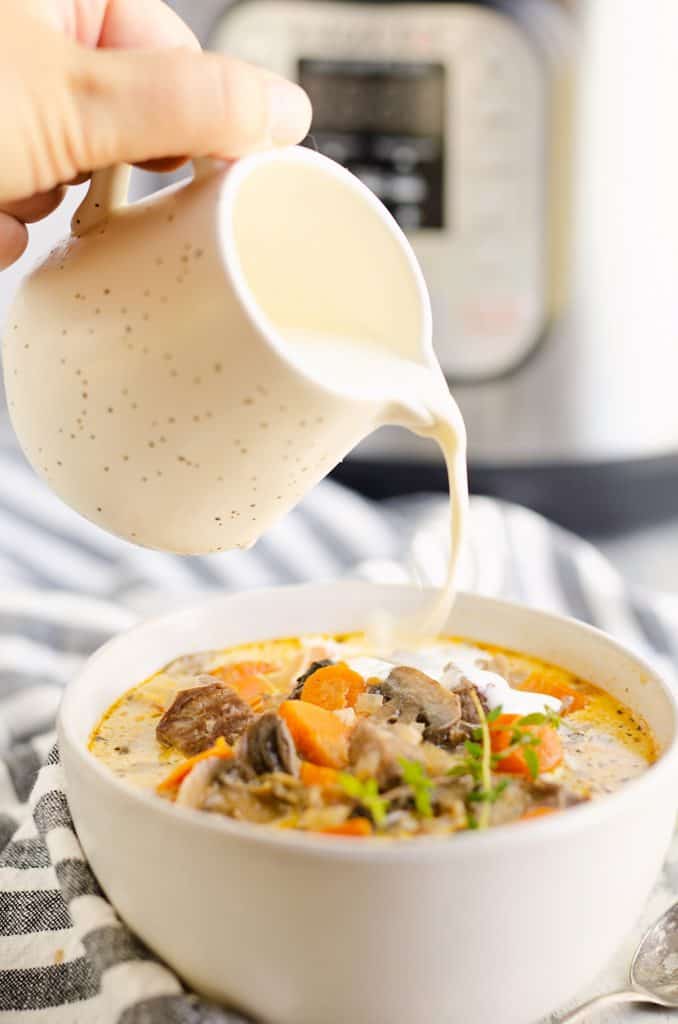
142,24
116,24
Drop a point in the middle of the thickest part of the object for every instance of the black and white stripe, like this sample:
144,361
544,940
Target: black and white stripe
65,957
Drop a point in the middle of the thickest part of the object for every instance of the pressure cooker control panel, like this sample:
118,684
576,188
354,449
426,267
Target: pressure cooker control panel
441,110
385,121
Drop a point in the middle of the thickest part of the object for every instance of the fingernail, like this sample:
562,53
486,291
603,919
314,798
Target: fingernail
290,112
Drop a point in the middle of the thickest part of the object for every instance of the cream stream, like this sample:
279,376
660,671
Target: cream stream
416,396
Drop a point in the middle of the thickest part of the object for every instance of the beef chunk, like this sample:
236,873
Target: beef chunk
199,716
469,712
469,715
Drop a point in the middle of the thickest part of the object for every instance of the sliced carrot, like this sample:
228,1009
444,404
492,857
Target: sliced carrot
357,827
537,812
254,689
316,775
248,679
333,687
558,689
234,671
180,771
320,735
549,749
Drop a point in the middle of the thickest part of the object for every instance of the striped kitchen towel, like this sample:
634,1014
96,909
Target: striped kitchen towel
65,958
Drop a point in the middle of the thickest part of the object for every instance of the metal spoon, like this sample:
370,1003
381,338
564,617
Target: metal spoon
654,971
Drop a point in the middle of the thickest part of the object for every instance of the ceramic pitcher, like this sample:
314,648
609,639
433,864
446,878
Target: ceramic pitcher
146,368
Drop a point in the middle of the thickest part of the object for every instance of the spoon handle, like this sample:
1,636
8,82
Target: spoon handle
600,1002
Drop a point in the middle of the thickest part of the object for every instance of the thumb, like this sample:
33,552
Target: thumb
131,106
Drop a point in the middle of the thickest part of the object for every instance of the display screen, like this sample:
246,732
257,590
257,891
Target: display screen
385,121
375,97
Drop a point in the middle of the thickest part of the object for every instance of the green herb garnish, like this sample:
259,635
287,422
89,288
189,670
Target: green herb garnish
478,764
479,760
545,717
366,792
531,760
490,795
521,738
414,775
485,782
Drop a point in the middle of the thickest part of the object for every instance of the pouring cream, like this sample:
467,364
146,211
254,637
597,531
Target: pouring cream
418,396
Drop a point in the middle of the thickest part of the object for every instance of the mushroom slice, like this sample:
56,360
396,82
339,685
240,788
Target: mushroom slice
313,667
413,695
267,746
193,789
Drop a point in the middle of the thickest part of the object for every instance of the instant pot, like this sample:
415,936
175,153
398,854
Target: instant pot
534,182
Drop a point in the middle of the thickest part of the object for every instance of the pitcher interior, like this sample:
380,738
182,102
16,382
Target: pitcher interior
295,227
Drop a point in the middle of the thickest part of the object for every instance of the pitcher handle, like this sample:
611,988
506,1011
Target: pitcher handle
108,191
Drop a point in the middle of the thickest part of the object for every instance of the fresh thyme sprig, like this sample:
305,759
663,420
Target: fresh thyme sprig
414,775
480,760
366,792
485,761
478,764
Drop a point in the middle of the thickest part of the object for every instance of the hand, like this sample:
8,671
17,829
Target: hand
89,83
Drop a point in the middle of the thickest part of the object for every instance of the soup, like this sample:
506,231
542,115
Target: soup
327,734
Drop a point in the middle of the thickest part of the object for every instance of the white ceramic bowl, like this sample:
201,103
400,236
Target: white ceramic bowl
502,926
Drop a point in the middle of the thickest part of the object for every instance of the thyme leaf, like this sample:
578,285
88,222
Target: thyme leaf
536,718
414,775
365,792
491,795
545,717
532,761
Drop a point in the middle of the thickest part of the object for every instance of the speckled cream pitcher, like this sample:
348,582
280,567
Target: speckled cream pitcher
147,360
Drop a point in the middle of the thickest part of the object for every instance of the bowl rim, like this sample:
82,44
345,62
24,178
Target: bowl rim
315,845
